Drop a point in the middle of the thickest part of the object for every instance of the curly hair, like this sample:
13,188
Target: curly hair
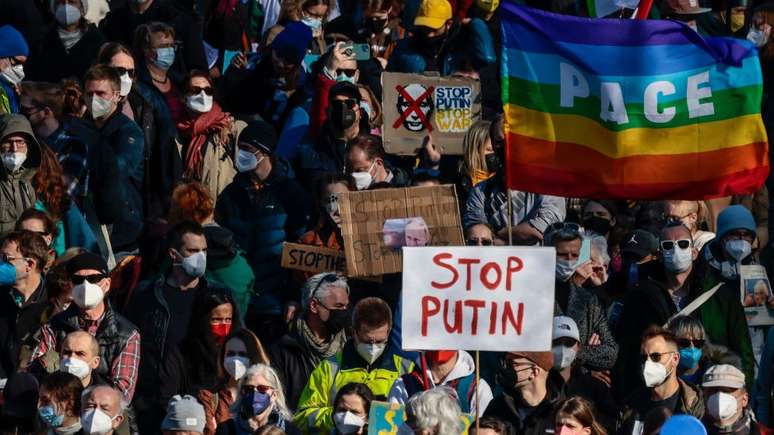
74,104
50,185
191,201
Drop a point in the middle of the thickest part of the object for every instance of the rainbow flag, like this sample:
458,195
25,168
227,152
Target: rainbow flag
629,109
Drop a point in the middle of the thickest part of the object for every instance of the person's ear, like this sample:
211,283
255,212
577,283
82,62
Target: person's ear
172,254
106,284
95,363
694,253
744,400
118,420
612,222
357,76
313,306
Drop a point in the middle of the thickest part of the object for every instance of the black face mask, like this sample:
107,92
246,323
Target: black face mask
597,224
342,116
376,26
338,320
493,162
429,45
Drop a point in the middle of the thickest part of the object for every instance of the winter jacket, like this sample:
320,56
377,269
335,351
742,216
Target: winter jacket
487,205
690,402
467,44
231,427
22,322
584,307
16,191
262,220
121,23
539,422
761,398
126,139
226,264
723,315
218,158
162,165
9,100
315,407
50,62
464,372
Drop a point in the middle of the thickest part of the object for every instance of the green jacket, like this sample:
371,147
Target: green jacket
16,191
723,315
315,407
238,277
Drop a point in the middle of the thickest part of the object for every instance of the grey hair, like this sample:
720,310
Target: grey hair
436,409
599,244
274,382
320,289
122,402
684,326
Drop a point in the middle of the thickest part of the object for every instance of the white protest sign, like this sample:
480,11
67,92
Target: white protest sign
472,298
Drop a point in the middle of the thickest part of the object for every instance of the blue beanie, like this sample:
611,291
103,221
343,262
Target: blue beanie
733,218
683,425
291,43
12,43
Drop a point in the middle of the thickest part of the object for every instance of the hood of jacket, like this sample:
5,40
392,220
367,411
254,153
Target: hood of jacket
18,124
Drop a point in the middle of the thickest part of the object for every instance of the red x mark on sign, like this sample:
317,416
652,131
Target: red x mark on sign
414,107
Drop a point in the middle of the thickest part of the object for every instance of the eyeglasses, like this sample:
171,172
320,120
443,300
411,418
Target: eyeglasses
9,258
653,356
193,90
668,245
480,241
14,144
686,342
94,279
263,389
740,235
348,72
121,71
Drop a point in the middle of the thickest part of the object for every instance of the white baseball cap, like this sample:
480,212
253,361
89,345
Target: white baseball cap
565,327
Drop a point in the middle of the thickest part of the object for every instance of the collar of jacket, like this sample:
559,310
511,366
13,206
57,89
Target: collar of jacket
543,409
350,359
107,325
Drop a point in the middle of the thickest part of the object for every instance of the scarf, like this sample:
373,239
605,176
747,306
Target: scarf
69,430
739,427
225,7
197,131
480,175
316,351
69,39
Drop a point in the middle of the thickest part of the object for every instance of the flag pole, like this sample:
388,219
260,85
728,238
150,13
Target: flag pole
478,375
510,217
643,10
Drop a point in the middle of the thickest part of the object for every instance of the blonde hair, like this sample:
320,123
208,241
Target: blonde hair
273,380
473,148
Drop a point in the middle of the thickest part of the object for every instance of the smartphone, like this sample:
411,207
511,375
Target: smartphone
359,51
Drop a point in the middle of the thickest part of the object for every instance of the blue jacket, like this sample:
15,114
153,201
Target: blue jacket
466,42
262,220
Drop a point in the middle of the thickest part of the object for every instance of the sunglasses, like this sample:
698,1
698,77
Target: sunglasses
685,342
653,356
263,389
566,229
348,72
121,71
94,279
479,242
668,245
193,90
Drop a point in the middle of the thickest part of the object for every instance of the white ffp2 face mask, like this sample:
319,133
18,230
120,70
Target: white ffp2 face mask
95,422
236,366
126,85
654,373
74,366
370,352
563,356
194,265
13,74
87,295
13,161
67,15
100,107
347,422
738,249
721,406
199,103
247,161
678,260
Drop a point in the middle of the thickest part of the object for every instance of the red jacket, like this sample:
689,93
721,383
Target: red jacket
323,84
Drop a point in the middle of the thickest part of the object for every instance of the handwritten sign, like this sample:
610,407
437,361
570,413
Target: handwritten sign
313,259
387,418
376,224
494,298
415,105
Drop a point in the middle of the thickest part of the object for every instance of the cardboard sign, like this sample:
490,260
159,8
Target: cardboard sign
385,419
415,105
376,224
756,294
313,259
472,298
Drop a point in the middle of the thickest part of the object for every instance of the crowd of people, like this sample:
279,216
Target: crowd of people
156,155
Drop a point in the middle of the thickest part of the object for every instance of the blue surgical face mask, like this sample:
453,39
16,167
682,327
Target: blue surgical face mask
313,23
7,273
341,77
689,357
49,416
165,57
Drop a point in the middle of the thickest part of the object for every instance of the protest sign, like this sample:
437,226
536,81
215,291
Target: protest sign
415,105
376,224
471,298
313,259
386,419
756,293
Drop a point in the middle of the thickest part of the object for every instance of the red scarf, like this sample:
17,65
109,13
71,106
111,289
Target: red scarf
197,130
225,7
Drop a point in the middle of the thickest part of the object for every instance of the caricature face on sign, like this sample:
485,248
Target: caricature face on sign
417,108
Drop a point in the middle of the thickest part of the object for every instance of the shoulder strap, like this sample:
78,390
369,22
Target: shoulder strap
696,303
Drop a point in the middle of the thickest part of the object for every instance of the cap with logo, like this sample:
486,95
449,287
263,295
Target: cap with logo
724,376
639,243
565,327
